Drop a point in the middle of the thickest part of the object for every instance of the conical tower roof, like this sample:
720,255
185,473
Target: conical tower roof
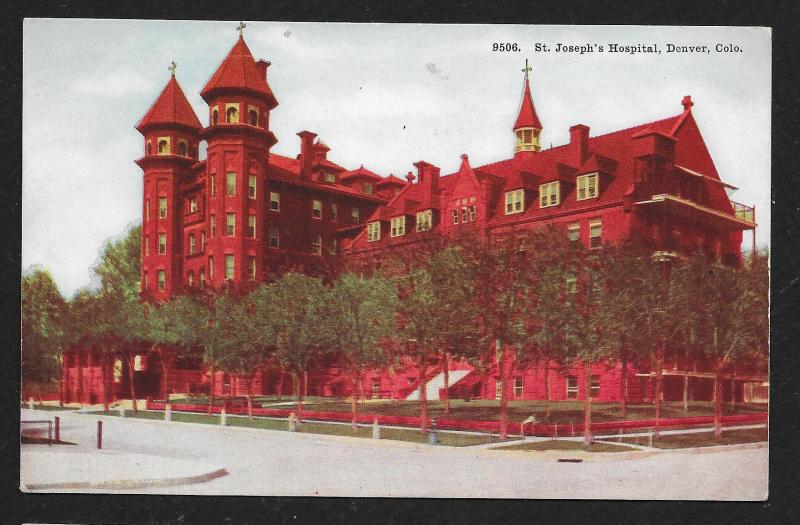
527,112
239,72
170,108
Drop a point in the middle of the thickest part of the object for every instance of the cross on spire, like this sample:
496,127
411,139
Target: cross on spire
173,66
527,69
240,28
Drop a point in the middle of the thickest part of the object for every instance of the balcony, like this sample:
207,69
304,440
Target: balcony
742,218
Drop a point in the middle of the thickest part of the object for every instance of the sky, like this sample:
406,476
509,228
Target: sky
381,95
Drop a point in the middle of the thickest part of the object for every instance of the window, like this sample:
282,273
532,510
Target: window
355,216
334,247
572,387
398,226
147,210
230,179
572,284
251,226
190,279
213,183
424,220
587,186
274,237
193,204
334,212
147,245
162,243
549,194
232,113
518,387
213,223
202,241
202,278
316,246
215,116
274,201
149,147
229,267
329,177
316,211
252,116
251,186
374,231
595,233
515,201
162,207
498,389
472,213
251,266
594,389
455,216
182,148
163,145
366,187
574,231
376,387
162,279
192,244
230,224
211,266
464,214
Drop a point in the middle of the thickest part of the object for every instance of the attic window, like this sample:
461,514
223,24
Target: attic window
587,186
398,226
515,201
330,177
366,188
549,194
374,231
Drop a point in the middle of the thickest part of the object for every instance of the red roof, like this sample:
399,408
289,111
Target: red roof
527,112
239,71
361,172
392,180
170,108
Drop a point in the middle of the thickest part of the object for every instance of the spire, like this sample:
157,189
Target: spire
239,71
170,108
527,117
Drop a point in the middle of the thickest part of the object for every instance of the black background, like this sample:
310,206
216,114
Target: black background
782,16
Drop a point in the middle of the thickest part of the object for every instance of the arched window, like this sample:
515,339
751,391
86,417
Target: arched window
163,147
232,115
252,117
214,117
182,150
149,148
191,279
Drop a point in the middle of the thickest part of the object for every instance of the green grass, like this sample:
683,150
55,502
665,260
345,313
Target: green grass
705,439
48,407
558,444
311,427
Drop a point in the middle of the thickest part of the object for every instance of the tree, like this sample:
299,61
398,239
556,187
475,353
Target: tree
43,324
360,317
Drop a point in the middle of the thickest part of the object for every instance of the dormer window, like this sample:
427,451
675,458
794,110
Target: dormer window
163,145
232,113
587,186
515,201
549,194
329,177
366,188
374,231
398,226
424,220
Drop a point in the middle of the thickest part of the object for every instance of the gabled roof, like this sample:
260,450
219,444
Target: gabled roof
527,117
391,180
170,108
239,71
360,173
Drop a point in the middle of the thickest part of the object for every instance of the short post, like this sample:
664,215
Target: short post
223,418
651,438
168,413
30,403
121,411
376,429
57,421
99,434
432,438
292,422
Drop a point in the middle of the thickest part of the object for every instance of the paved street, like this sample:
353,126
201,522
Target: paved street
263,462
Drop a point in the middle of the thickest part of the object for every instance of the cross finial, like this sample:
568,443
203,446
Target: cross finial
173,66
527,69
240,28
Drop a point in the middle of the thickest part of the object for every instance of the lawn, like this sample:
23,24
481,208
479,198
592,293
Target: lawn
48,407
311,427
706,439
558,444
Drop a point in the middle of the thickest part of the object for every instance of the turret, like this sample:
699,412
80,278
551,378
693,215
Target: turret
527,128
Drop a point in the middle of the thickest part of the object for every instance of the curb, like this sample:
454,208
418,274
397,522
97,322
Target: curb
721,448
129,484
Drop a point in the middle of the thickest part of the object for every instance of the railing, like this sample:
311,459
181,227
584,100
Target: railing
744,212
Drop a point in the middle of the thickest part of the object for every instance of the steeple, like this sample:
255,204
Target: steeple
239,72
171,108
527,128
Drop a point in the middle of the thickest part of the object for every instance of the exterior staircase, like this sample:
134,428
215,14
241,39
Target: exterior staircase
436,383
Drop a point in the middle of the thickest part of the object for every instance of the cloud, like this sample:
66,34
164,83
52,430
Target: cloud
115,84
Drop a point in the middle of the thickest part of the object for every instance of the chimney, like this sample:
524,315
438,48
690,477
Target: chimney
306,152
428,176
262,66
579,143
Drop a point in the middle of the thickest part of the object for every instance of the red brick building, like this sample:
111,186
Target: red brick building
244,213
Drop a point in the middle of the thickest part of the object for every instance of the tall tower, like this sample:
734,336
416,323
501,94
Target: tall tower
171,133
239,140
527,128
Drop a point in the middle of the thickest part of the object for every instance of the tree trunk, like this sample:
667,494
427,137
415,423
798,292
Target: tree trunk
505,374
299,397
446,371
280,385
250,397
104,379
392,386
354,406
624,387
305,383
587,404
131,386
423,396
211,391
547,390
717,403
685,393
659,388
733,391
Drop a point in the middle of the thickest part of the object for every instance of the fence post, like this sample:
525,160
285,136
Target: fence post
99,434
223,417
57,428
376,429
30,403
168,413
